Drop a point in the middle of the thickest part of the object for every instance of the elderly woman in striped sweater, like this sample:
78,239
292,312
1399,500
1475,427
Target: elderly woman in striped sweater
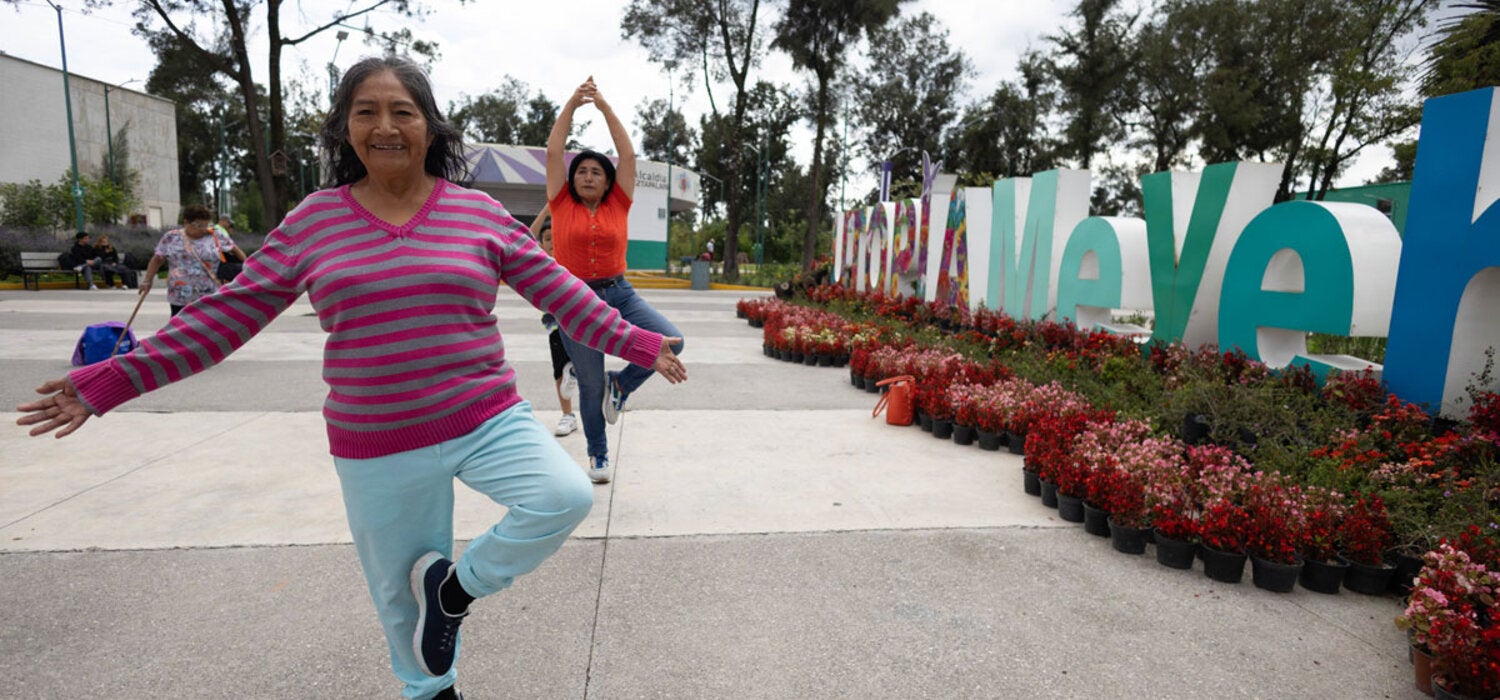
403,267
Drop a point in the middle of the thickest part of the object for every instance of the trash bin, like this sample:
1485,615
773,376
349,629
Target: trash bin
700,274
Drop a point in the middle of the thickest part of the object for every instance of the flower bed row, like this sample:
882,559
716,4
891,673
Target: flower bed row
1210,455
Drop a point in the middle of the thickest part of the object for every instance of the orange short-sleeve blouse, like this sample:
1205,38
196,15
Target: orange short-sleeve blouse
591,245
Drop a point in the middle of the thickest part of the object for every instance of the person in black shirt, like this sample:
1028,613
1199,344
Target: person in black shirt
85,258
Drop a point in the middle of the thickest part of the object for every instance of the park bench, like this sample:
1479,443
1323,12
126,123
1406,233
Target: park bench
34,265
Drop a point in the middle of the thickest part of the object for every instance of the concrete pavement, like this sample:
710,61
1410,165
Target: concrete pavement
763,538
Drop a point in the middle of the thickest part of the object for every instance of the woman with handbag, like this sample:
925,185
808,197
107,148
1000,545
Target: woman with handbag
231,259
402,267
192,254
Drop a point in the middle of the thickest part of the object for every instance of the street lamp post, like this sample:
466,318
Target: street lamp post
333,69
762,192
667,261
68,101
109,131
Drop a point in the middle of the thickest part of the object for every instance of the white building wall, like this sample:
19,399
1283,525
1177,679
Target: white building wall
34,133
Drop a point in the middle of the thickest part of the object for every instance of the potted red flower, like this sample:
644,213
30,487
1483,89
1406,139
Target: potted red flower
1274,532
1323,514
1223,526
1364,536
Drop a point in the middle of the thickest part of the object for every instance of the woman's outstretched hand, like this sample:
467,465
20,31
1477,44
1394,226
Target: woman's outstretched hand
667,364
63,409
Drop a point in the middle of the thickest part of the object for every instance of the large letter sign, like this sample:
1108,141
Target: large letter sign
1447,306
877,233
1058,200
1309,267
929,180
953,270
1106,266
904,262
1190,247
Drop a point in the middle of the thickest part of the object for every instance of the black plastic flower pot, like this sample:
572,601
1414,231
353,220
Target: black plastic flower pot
872,385
1368,579
925,421
1175,554
1274,576
1069,508
1049,494
1126,539
964,434
942,429
1221,566
1407,568
1031,482
1095,520
1322,577
988,441
1017,443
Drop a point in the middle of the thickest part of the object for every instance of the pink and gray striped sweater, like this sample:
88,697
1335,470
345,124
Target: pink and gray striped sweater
413,356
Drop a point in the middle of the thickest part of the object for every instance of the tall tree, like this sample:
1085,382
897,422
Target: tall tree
1168,57
770,112
722,35
200,103
817,35
218,35
909,93
1466,55
1092,65
506,115
1007,135
1367,77
665,134
1264,60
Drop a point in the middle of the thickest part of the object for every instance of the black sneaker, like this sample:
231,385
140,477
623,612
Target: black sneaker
449,693
436,639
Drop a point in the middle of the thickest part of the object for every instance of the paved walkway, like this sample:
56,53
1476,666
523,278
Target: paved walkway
763,538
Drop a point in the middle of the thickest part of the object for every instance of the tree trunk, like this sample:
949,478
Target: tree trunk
276,205
252,114
815,200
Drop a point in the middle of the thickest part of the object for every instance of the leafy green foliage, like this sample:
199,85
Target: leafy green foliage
508,115
908,95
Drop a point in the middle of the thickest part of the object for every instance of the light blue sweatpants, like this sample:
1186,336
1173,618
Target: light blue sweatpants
401,507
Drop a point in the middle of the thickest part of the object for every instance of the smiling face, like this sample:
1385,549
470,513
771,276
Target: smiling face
387,129
590,181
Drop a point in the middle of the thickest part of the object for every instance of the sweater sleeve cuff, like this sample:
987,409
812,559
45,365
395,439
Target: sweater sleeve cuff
102,386
643,348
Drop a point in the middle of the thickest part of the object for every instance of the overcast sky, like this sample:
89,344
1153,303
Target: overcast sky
549,46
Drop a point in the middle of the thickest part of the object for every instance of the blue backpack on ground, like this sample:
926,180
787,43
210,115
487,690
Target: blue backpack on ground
99,339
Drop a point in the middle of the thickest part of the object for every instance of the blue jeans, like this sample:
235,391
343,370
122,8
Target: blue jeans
401,506
588,363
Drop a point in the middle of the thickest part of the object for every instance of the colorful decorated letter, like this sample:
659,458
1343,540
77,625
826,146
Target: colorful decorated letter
1300,267
953,271
1447,306
906,254
924,274
1105,266
876,247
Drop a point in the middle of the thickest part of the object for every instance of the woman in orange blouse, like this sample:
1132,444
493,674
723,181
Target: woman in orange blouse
590,202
